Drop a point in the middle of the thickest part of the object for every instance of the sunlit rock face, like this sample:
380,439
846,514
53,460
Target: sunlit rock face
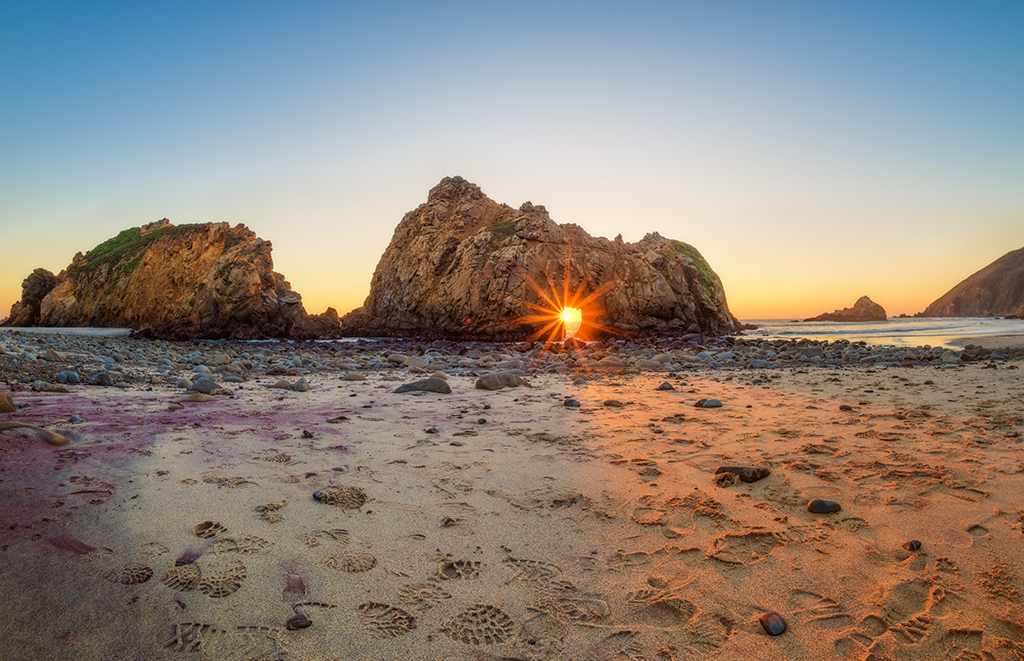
463,266
996,290
186,281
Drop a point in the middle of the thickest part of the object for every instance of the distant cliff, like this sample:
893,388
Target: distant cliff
863,310
464,266
180,282
996,290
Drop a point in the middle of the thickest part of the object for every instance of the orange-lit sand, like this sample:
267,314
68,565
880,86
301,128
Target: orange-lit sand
542,532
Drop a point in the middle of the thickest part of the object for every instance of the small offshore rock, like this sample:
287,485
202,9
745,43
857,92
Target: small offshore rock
499,380
712,404
426,385
819,506
773,623
745,473
666,386
912,545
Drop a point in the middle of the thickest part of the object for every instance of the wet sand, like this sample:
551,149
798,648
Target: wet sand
521,528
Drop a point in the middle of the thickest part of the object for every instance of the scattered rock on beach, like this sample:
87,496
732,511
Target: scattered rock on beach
571,403
204,385
666,386
43,386
745,473
819,506
301,385
7,404
101,379
773,623
712,404
499,380
912,545
426,385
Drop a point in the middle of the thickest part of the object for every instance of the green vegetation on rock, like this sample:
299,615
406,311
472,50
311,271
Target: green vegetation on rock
706,277
123,253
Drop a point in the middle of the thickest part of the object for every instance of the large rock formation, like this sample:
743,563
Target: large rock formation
996,290
463,266
34,289
179,282
863,310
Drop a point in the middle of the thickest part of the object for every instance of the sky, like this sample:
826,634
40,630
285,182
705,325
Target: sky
814,152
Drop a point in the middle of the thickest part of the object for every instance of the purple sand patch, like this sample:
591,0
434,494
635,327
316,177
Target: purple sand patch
295,586
187,558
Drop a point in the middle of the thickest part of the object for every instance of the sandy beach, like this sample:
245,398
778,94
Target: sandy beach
506,525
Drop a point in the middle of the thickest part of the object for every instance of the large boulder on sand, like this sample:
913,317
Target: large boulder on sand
461,265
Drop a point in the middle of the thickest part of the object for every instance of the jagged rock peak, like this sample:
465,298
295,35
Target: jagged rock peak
462,265
863,310
205,280
996,290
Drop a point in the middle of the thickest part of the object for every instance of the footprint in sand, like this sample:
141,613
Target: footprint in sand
313,538
347,498
183,578
565,602
459,569
384,620
480,624
351,562
208,529
659,608
821,610
532,570
422,596
223,580
132,574
741,548
245,545
191,637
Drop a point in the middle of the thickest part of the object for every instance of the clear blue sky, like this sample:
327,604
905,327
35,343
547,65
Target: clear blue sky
813,151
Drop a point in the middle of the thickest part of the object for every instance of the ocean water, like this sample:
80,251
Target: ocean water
933,331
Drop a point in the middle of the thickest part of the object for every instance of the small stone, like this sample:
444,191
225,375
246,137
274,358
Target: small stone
43,386
700,403
301,385
745,473
68,376
845,407
101,379
572,403
580,383
666,386
499,380
7,404
613,403
457,444
773,623
318,495
354,376
912,545
1012,434
482,421
307,434
823,506
712,404
183,383
198,397
299,621
76,419
204,384
426,385
433,430
282,384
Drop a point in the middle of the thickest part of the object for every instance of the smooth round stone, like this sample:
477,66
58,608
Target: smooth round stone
666,386
823,506
298,622
773,623
76,419
712,404
317,495
700,403
912,545
572,403
1012,434
101,379
481,421
183,383
68,376
201,369
204,385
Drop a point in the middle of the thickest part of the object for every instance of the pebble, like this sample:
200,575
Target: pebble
912,545
68,376
1012,434
101,379
301,385
307,434
457,444
183,383
845,407
700,403
613,403
482,421
204,385
571,403
773,623
823,506
499,380
433,430
712,404
666,386
299,621
76,419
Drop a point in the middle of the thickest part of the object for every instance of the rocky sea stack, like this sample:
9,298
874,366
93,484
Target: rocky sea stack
996,290
863,310
175,282
463,266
